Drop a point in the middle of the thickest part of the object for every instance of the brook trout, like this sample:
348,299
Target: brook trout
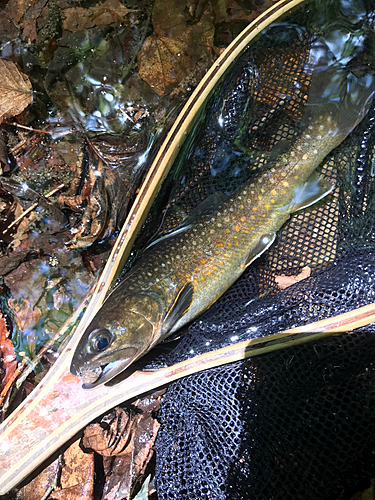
180,276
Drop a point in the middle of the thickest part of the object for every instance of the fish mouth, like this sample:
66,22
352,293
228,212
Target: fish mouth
93,377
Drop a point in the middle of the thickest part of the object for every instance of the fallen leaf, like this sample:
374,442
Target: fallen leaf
69,477
81,19
285,281
177,49
15,90
111,436
125,439
27,315
161,62
8,362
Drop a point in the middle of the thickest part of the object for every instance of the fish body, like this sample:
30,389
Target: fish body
180,276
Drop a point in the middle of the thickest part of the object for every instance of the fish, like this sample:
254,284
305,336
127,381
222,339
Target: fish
184,273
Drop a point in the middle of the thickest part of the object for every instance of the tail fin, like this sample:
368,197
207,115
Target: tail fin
344,96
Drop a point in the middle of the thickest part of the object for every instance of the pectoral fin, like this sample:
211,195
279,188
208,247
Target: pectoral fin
263,244
311,192
180,306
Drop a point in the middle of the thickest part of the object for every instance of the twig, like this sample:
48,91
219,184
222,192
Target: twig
32,207
11,380
98,153
30,129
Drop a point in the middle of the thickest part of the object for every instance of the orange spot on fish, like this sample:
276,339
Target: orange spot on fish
254,209
202,278
252,217
229,244
285,184
243,219
226,255
183,281
237,228
227,231
272,201
246,231
200,251
188,276
203,262
274,192
208,272
252,228
267,207
236,243
220,245
213,268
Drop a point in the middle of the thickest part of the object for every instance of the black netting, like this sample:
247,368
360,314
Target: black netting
298,423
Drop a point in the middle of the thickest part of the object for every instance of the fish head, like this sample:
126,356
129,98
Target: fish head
120,333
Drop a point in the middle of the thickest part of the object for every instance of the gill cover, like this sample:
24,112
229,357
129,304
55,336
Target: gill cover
121,332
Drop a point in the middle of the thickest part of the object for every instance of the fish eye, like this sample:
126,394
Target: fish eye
100,339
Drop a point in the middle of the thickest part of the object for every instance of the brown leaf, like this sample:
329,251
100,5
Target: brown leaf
285,281
15,90
111,436
161,62
70,477
8,362
80,19
128,467
176,50
26,313
125,439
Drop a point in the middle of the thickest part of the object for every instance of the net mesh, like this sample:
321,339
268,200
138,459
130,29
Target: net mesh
297,423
